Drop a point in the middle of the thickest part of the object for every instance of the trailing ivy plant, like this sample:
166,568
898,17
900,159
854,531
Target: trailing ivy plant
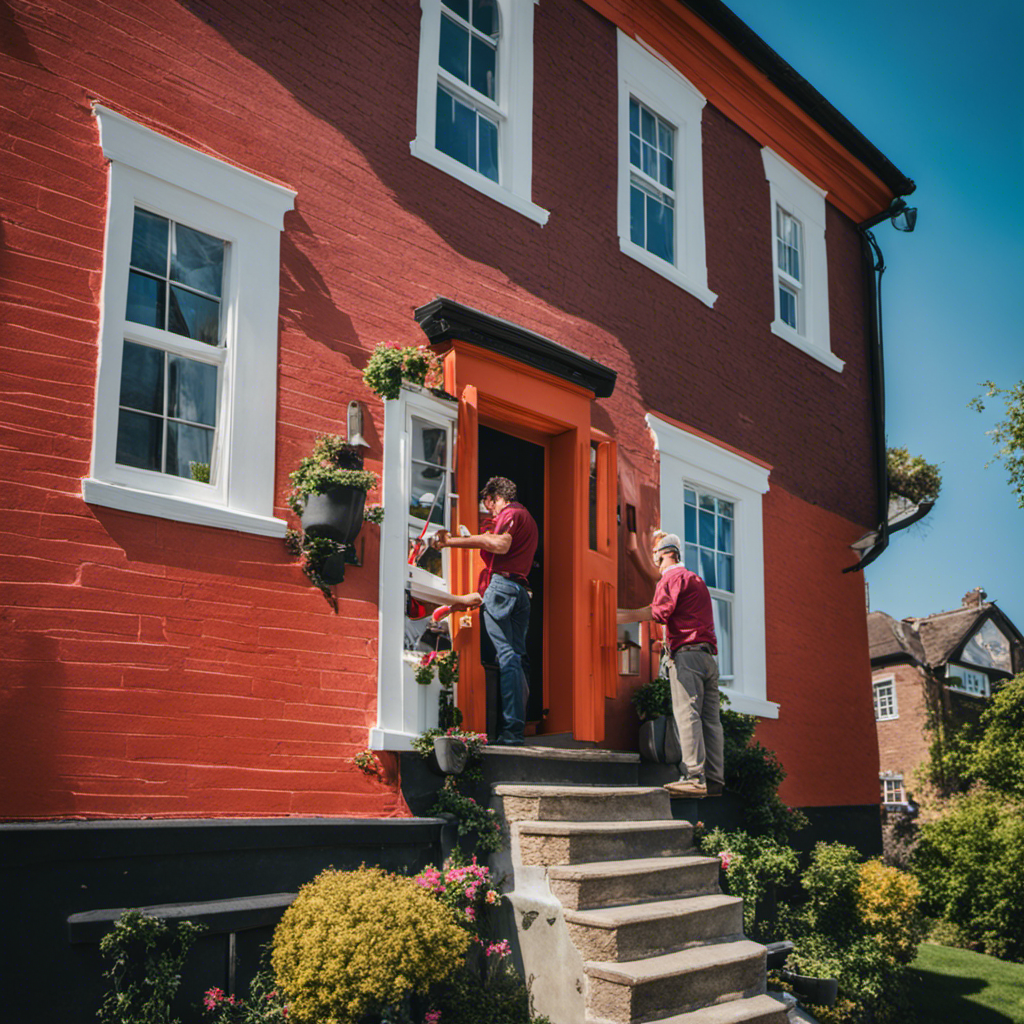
146,956
332,463
312,553
391,363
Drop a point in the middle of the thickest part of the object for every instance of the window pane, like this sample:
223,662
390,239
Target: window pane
722,610
787,307
485,17
456,129
191,390
707,529
454,50
139,440
724,534
636,216
149,242
197,260
460,7
488,148
188,451
649,161
193,316
707,568
145,300
429,444
690,521
142,378
660,229
634,150
725,573
725,508
690,497
665,134
665,171
428,557
634,118
427,494
483,68
648,127
690,558
707,502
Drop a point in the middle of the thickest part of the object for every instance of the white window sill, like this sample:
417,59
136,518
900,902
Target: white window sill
888,718
386,739
784,331
182,510
443,162
667,271
750,705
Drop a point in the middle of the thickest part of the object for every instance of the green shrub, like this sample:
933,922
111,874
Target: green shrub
752,866
912,477
969,865
359,942
889,901
998,756
146,955
653,699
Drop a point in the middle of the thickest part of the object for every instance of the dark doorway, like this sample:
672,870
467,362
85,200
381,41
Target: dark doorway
522,462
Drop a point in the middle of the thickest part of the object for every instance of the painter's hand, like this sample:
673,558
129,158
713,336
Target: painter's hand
440,539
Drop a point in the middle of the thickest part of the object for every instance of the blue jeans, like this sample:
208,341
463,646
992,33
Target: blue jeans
506,615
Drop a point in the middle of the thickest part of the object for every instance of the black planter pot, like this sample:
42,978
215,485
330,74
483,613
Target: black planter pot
659,740
820,991
337,515
332,572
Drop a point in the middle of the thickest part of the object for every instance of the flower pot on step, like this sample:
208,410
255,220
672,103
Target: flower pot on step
659,740
337,514
820,991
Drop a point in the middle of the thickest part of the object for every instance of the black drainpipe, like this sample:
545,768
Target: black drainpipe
875,265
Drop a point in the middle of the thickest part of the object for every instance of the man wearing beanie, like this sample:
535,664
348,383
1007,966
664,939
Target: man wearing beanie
683,605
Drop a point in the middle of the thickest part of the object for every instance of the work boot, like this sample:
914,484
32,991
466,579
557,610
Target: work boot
692,788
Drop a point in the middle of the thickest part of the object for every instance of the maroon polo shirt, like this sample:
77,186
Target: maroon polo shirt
683,604
518,560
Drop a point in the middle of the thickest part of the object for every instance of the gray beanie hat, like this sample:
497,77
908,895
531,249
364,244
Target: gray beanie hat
670,541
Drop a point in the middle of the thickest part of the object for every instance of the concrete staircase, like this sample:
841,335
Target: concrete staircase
618,919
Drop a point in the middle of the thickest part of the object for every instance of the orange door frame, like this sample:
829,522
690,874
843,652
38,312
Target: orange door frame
540,407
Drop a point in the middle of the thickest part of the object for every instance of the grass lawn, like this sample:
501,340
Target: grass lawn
956,986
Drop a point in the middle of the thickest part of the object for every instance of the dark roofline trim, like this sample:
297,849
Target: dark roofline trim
800,91
445,320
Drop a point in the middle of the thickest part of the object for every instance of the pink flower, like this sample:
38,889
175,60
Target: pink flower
432,1017
212,998
491,896
471,913
727,857
499,949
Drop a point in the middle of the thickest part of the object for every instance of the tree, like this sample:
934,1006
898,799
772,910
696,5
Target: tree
1008,434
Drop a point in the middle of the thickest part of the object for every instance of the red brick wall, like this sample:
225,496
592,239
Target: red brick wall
153,668
903,742
818,666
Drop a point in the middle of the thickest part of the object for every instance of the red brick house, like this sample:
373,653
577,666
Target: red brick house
635,236
947,663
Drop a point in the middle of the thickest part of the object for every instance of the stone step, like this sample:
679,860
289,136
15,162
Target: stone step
761,1009
584,803
554,766
647,929
578,842
616,883
674,983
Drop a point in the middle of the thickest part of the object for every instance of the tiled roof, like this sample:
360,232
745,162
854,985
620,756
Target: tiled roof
888,637
944,631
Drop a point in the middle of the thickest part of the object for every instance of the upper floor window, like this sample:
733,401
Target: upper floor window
474,113
711,497
892,789
709,551
885,699
188,346
799,260
660,179
967,679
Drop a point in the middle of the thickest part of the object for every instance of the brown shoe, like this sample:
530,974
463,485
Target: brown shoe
692,788
715,788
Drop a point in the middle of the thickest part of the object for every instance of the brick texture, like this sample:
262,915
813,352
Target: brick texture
161,669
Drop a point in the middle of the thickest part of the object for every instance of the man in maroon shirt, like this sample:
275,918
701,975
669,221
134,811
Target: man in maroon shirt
508,557
683,605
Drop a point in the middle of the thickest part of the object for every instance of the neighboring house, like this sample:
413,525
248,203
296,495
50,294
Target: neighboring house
635,235
949,663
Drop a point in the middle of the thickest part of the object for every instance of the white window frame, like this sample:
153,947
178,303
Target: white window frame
404,708
512,108
685,459
646,77
965,674
799,197
877,687
149,170
891,780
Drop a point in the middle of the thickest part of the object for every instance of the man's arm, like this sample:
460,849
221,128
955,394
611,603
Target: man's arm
624,615
496,543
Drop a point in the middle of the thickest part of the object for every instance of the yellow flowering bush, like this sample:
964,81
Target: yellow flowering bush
889,906
357,942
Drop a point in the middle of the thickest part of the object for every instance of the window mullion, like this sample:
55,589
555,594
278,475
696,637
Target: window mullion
468,95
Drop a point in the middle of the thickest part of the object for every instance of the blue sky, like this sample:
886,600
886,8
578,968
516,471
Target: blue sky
935,85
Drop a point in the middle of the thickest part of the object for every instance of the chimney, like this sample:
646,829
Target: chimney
973,598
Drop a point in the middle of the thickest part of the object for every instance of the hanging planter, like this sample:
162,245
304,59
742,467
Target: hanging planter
329,497
392,364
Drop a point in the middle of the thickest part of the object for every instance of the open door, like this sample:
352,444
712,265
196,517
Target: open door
466,566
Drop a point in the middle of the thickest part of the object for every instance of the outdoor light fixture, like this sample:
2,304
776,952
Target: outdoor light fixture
629,652
355,424
904,218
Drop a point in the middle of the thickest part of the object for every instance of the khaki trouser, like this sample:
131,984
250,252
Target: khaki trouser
693,679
